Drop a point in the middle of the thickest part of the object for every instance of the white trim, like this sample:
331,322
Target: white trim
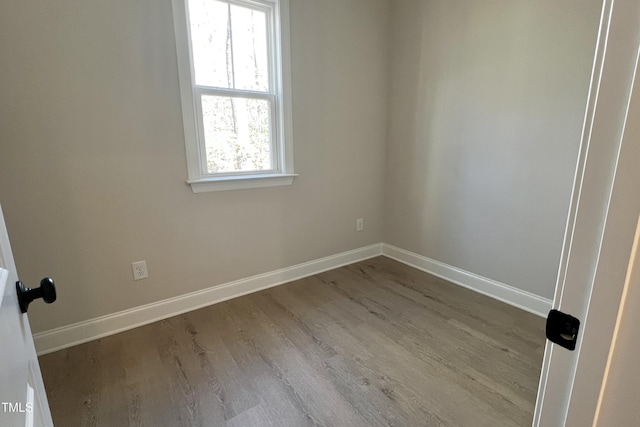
4,276
89,330
279,95
238,182
516,297
283,72
183,57
78,333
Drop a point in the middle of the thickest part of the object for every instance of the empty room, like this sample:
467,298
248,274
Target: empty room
318,212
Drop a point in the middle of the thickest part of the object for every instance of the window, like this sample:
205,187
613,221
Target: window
233,67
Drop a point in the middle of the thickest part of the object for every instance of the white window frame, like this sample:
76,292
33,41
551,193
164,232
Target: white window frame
280,99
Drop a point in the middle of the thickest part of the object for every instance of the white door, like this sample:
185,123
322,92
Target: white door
23,401
600,231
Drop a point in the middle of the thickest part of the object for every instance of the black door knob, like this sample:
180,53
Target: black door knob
46,291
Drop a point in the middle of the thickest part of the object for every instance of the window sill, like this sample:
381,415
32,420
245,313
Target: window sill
241,182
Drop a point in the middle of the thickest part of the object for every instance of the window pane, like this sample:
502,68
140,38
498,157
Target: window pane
249,29
211,43
237,134
229,53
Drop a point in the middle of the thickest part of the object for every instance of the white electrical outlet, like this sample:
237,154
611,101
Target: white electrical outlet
359,224
139,270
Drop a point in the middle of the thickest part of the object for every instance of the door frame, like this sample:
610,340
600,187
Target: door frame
604,211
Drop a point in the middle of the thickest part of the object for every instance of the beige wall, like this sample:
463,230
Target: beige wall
92,159
483,100
487,105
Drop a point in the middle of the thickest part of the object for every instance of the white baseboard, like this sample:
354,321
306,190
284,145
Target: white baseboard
505,293
89,330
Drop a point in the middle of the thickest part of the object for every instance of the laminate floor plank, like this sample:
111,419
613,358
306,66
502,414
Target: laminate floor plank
352,385
280,403
230,386
375,343
385,321
497,347
504,350
308,385
364,363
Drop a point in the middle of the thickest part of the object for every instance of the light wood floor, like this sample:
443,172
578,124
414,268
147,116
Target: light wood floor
375,343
